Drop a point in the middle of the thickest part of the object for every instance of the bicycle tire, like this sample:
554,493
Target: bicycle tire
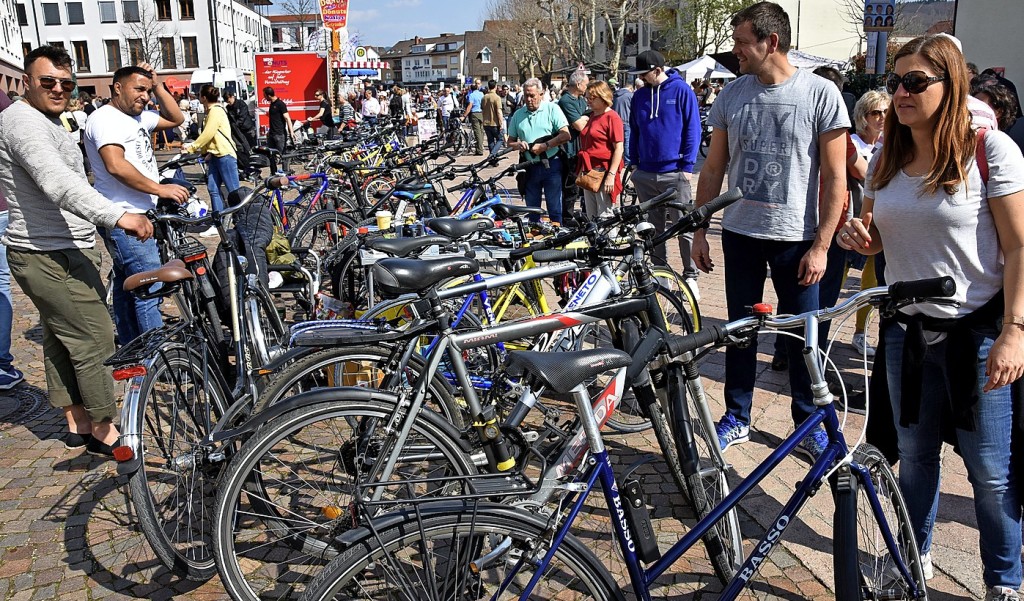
171,429
669,279
266,330
321,231
352,366
287,493
870,572
402,551
706,473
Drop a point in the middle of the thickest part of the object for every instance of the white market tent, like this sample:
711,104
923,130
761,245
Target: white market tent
704,67
809,61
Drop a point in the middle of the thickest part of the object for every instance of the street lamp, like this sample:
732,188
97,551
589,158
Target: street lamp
248,46
504,52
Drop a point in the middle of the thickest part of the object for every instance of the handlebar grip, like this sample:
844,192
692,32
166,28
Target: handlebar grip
569,254
657,200
943,286
678,345
520,166
300,177
717,204
275,183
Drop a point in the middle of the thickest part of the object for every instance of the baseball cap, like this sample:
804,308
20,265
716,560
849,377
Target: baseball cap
613,82
647,60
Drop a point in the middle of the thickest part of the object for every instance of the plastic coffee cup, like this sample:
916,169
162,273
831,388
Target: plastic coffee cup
383,220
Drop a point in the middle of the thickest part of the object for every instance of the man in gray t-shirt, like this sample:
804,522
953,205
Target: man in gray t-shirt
775,129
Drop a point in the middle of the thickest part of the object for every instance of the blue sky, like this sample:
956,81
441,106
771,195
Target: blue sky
384,22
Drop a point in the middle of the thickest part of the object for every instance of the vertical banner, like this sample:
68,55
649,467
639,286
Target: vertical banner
879,19
295,77
334,13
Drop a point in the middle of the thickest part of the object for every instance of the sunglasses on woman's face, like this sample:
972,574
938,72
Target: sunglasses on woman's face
914,82
48,83
877,113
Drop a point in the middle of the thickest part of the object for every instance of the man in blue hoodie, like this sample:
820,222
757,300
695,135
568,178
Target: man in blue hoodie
664,135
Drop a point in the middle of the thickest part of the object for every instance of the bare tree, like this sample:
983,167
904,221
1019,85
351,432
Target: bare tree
692,28
617,15
305,14
145,38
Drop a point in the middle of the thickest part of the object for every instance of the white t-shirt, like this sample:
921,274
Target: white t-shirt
108,126
931,235
446,104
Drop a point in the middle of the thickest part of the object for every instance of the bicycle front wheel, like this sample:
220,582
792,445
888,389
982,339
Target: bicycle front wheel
464,551
173,490
864,567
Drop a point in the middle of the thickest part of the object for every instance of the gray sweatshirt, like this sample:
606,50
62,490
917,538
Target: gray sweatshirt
52,205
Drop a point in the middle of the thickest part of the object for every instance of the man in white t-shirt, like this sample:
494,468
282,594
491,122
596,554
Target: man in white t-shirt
119,142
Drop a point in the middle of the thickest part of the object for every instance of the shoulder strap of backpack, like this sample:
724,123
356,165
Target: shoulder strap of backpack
228,138
980,157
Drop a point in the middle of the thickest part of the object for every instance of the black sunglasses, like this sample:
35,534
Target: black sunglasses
48,83
913,82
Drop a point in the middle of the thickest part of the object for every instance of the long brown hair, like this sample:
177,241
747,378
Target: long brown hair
953,139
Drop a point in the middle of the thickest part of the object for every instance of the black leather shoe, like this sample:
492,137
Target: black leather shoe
780,363
74,441
99,449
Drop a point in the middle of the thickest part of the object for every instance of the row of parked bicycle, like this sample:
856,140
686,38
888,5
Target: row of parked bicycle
441,442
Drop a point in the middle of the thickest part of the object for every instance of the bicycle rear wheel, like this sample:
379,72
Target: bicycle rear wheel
429,556
290,490
173,490
864,567
321,231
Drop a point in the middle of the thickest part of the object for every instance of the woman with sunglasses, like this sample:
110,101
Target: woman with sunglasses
934,211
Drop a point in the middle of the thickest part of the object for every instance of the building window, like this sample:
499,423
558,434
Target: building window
167,53
485,55
56,44
75,14
453,60
163,10
81,56
51,13
190,53
108,12
131,11
186,10
113,48
454,72
22,15
25,48
135,52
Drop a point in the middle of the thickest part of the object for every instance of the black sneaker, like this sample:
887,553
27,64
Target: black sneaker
74,441
99,448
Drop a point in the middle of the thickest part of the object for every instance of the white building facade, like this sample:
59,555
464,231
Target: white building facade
11,51
174,35
990,33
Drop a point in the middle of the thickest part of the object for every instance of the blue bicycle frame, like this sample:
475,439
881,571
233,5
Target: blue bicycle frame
283,204
642,578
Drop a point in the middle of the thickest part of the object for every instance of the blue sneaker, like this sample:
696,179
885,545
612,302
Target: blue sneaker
10,379
730,431
813,445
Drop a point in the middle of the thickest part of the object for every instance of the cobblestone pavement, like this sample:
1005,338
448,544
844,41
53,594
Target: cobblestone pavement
67,530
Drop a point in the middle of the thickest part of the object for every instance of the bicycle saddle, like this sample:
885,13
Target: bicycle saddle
458,228
504,211
345,165
395,277
413,186
403,247
562,372
170,272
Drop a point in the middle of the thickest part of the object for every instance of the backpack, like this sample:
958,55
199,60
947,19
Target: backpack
979,154
239,143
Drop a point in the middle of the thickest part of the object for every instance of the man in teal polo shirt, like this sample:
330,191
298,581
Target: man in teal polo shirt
537,129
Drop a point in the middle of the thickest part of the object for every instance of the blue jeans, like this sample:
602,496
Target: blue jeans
746,267
223,171
132,315
6,308
494,141
830,286
549,181
985,450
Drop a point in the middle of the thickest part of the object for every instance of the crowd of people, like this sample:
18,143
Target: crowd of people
919,179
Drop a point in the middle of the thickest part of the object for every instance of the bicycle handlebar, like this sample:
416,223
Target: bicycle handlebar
899,292
271,183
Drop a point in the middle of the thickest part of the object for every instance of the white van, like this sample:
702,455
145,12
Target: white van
228,80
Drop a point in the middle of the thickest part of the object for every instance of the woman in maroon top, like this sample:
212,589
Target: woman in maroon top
601,149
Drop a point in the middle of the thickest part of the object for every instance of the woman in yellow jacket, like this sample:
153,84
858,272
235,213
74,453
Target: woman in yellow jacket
215,140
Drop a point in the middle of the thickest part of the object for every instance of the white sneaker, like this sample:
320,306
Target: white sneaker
210,232
926,566
1002,593
860,344
692,283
